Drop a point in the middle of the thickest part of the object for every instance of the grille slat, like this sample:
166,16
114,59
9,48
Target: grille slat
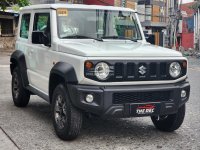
140,97
153,69
130,70
163,69
119,70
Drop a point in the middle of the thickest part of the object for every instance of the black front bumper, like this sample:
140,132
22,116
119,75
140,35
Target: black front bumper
122,101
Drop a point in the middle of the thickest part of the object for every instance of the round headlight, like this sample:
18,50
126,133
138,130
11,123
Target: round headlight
175,69
102,71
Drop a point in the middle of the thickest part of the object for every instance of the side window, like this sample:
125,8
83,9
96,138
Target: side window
41,22
25,22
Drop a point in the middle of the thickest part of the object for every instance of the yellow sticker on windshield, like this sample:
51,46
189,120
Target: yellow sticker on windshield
62,12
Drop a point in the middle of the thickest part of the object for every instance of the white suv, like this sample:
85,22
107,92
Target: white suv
95,60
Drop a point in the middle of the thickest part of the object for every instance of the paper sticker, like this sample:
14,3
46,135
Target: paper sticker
62,12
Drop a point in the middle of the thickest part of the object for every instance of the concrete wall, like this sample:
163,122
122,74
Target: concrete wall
187,40
7,44
7,41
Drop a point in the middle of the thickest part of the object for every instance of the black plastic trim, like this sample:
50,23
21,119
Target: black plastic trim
61,72
66,71
104,107
17,59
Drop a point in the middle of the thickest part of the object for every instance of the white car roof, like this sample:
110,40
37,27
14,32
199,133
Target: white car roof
79,6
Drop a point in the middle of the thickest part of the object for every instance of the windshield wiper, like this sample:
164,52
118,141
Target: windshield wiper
81,37
119,37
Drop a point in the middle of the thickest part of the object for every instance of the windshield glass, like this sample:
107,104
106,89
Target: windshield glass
97,24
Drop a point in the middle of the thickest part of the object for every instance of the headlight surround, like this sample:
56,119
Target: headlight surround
175,70
102,71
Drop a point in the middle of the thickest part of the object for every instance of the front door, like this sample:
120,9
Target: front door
41,64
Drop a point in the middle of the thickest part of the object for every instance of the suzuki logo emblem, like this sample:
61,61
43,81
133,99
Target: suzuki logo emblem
142,70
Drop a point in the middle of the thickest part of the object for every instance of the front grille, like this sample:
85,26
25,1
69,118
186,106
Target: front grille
141,71
141,97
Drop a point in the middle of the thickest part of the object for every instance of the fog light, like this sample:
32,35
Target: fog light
89,98
183,94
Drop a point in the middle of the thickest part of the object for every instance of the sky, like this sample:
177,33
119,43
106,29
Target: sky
187,1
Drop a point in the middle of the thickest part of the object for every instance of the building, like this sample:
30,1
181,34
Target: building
99,2
197,29
153,17
126,3
187,31
33,2
8,27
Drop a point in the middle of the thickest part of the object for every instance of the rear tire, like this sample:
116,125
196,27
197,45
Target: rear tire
67,119
20,95
169,123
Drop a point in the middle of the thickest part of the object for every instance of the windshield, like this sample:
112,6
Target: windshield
97,24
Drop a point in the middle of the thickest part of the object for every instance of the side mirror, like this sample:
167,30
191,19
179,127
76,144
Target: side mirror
38,37
151,39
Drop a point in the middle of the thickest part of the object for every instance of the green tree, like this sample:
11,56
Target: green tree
6,3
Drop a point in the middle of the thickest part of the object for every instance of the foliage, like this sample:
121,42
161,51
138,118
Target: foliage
23,3
15,8
6,3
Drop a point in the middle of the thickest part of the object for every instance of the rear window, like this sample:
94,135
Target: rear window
25,23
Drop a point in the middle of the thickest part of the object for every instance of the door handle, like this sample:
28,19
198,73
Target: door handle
32,50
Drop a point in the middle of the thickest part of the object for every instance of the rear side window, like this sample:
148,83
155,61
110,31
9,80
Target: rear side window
25,23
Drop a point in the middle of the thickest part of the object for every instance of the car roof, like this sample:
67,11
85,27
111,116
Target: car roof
78,6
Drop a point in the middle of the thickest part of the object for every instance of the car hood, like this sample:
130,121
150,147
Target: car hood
115,48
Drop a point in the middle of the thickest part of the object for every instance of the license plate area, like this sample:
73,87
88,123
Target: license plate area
147,109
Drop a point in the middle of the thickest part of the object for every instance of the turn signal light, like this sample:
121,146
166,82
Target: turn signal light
88,65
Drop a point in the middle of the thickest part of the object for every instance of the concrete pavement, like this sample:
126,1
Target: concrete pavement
6,142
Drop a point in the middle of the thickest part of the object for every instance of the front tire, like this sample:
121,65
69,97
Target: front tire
67,119
20,95
169,123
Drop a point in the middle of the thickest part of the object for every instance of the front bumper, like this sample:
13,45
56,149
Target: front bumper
122,101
